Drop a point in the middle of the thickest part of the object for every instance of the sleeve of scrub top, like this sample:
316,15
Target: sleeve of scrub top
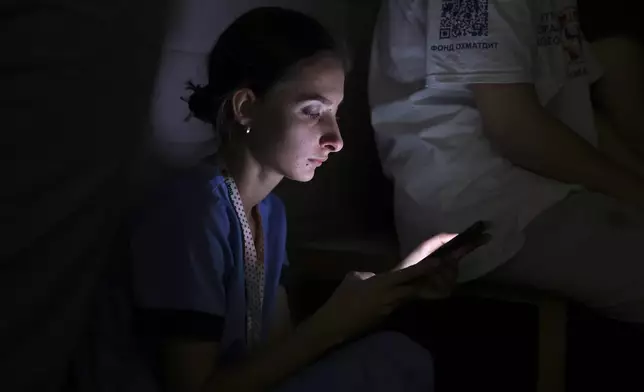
180,260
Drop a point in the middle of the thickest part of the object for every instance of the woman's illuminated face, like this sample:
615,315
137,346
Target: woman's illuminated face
294,124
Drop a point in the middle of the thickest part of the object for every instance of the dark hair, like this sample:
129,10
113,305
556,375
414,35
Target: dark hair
255,52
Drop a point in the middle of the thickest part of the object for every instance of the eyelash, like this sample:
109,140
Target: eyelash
316,115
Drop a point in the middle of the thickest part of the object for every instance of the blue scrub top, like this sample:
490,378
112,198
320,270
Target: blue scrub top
188,263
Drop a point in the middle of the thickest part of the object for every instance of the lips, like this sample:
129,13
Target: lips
318,161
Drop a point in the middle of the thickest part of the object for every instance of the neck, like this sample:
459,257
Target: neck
253,181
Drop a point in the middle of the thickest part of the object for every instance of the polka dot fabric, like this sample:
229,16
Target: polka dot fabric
253,266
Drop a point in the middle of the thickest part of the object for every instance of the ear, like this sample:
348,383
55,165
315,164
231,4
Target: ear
242,104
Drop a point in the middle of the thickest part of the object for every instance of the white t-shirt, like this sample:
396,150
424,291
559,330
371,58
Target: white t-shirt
429,132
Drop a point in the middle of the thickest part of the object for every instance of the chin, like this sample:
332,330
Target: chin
305,175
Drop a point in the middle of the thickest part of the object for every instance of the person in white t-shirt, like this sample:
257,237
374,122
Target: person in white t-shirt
482,111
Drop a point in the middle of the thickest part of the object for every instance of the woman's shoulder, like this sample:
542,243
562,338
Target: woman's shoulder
199,182
196,192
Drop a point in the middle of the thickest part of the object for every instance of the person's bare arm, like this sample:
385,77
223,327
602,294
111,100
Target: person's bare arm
530,137
618,95
618,98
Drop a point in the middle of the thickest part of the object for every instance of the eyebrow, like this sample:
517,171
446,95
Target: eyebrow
314,97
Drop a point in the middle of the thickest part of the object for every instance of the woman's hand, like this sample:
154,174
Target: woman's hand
440,282
363,299
442,279
424,250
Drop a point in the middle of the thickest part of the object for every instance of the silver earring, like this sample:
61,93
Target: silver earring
247,130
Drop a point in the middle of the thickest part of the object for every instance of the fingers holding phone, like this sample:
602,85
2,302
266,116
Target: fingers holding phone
441,280
465,242
424,250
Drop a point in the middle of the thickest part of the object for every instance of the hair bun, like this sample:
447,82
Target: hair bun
200,102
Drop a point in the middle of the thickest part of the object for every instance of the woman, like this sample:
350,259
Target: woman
208,252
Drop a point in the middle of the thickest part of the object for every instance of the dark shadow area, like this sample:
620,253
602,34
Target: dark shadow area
485,344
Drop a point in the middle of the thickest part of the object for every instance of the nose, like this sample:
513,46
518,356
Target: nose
331,139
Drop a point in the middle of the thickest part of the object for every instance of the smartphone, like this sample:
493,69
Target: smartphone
470,236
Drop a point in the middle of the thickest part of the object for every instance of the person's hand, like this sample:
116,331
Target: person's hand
424,250
363,299
441,281
442,278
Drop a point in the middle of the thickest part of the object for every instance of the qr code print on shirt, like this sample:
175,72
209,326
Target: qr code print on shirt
464,18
